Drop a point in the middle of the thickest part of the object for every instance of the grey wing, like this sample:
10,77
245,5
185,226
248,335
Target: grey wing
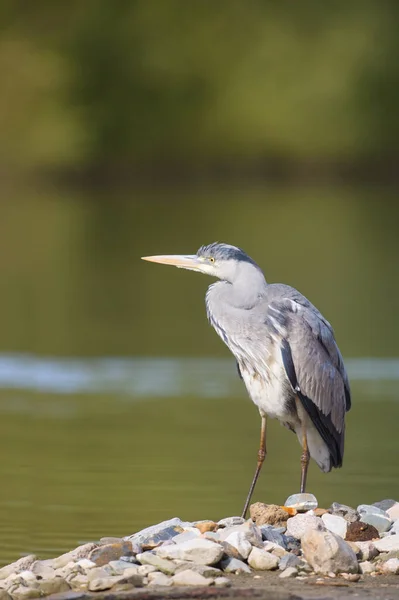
315,369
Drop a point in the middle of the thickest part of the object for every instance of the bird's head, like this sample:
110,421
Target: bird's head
218,260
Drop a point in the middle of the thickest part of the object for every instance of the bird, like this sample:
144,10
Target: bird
285,351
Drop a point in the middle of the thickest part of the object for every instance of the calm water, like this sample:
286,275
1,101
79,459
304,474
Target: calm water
104,428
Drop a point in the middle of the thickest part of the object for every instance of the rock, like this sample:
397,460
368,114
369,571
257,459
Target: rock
260,560
298,525
159,579
145,570
213,536
83,551
346,512
387,555
185,536
293,545
327,552
118,567
233,565
99,573
387,544
161,564
27,578
231,521
380,522
367,567
19,565
84,564
390,566
272,534
4,595
198,550
301,502
360,532
249,530
274,549
335,524
287,561
219,582
105,554
78,582
238,540
319,512
203,570
289,572
366,550
204,526
393,512
158,533
190,577
105,541
385,504
53,585
119,581
269,514
22,592
42,569
351,576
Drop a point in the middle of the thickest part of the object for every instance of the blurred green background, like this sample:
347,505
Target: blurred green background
130,128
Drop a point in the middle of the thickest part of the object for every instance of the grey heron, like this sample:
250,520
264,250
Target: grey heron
285,351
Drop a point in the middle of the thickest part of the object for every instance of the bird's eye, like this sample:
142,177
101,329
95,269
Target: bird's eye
211,259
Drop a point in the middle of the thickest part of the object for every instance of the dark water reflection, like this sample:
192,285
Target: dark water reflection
107,447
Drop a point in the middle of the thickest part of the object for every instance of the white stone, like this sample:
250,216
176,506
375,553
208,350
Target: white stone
78,582
146,570
380,522
327,552
86,564
55,585
222,582
260,560
16,567
234,565
186,535
42,569
288,572
156,562
118,567
73,556
298,525
231,521
159,579
393,512
238,540
249,530
189,577
366,567
391,542
366,550
302,502
335,524
199,551
106,583
390,566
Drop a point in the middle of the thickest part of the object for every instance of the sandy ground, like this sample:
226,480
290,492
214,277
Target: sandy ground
267,587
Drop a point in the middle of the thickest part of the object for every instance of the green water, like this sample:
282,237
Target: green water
77,466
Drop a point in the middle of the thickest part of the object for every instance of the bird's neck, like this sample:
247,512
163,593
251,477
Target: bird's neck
244,292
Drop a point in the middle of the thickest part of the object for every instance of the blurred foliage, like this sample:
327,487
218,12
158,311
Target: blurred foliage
124,82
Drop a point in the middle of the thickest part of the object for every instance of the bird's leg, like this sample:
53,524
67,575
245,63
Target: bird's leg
261,458
304,460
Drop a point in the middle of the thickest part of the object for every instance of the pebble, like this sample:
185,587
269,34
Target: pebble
273,534
231,521
186,535
221,582
157,562
42,569
204,526
361,532
393,512
79,552
298,525
203,570
346,512
16,567
387,544
380,522
335,524
55,585
118,566
302,502
366,567
289,572
104,554
325,551
260,560
250,531
146,570
385,504
350,576
159,579
268,514
189,577
198,550
238,540
288,561
366,550
233,565
390,566
158,533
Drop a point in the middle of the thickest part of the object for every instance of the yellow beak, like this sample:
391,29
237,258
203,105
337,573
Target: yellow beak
190,261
